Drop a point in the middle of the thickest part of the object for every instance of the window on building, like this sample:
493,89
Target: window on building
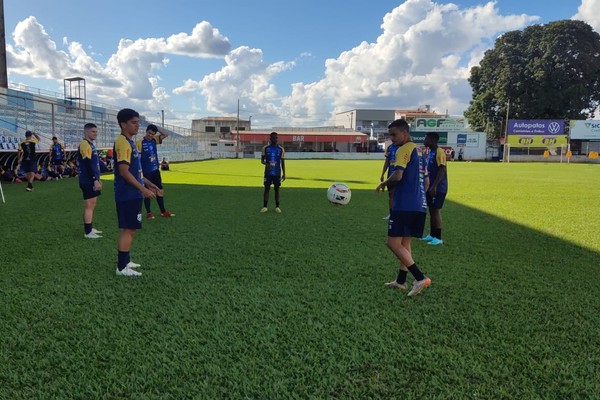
210,129
225,129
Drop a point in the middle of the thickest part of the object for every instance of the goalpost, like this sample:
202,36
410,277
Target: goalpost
565,152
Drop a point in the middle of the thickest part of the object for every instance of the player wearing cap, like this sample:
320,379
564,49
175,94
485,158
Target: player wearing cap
89,178
151,167
26,157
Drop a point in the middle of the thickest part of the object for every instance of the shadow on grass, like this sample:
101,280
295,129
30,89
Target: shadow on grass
235,304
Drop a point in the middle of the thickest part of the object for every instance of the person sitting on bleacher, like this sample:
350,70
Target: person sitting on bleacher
7,175
164,164
70,169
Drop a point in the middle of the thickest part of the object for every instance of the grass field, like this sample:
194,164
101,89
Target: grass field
237,304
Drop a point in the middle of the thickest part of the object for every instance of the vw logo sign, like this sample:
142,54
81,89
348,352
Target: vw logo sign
554,127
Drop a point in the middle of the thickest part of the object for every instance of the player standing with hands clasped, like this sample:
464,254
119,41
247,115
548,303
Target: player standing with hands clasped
89,178
130,189
409,207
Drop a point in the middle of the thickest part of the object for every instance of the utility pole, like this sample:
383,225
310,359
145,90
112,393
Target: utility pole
3,67
237,128
162,113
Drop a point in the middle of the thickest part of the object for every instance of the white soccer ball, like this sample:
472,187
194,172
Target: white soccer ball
339,194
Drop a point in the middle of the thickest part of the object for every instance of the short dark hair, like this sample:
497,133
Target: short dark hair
400,123
126,114
152,128
433,135
89,125
28,133
54,138
273,133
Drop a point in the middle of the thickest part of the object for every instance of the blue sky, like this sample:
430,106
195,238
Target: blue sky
290,63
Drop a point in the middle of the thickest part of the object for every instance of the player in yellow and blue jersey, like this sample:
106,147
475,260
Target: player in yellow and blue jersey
409,206
436,194
389,165
130,189
89,178
26,157
273,158
150,166
57,157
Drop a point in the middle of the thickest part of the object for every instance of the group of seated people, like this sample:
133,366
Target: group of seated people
46,172
50,172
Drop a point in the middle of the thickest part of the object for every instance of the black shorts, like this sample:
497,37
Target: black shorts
88,191
29,166
436,202
56,162
406,224
272,180
155,178
129,214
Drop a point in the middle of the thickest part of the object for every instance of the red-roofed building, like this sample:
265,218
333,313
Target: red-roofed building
306,140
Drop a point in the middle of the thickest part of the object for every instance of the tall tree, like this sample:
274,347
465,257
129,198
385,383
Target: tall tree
543,71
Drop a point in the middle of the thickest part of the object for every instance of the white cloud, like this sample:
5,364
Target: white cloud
588,11
423,56
130,73
245,75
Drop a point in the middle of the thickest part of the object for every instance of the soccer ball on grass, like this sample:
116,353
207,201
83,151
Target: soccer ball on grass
339,194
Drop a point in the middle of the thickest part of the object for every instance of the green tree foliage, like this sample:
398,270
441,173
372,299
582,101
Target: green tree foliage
545,71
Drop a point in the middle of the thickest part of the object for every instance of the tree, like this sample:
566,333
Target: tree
545,71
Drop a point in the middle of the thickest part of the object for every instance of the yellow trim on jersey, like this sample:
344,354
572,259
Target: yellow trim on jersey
85,149
123,149
403,154
440,157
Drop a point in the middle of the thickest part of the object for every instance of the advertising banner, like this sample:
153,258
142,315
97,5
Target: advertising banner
536,127
585,130
472,140
548,141
419,137
439,124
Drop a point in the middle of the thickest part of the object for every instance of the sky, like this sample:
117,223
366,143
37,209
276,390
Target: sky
289,63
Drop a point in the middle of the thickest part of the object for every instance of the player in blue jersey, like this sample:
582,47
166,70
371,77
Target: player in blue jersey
436,194
89,178
130,189
26,157
57,157
409,207
151,167
389,165
273,158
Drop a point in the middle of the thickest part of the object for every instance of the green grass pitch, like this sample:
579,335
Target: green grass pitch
237,304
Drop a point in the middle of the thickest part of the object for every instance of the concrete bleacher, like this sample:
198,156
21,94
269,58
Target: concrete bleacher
47,116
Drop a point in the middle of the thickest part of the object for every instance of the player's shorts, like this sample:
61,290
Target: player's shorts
272,180
88,191
29,166
57,162
436,202
406,224
129,214
154,177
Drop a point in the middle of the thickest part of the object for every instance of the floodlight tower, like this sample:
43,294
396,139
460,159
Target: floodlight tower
3,67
